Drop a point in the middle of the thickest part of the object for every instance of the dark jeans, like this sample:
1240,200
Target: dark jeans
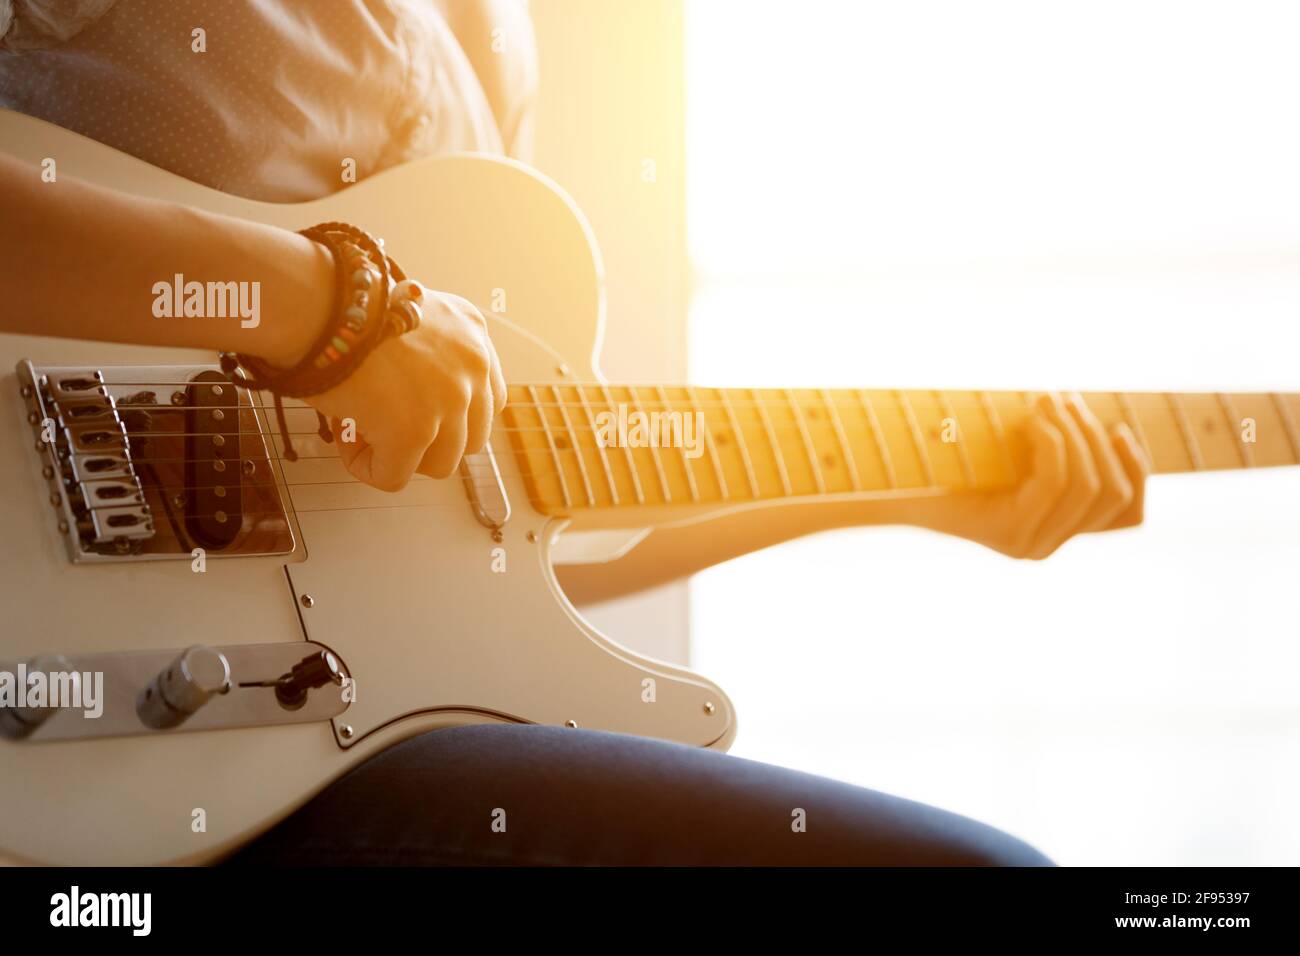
588,797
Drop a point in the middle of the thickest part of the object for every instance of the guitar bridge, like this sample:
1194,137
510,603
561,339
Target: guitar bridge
134,478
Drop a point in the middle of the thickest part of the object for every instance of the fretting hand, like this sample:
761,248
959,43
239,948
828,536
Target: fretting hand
1082,478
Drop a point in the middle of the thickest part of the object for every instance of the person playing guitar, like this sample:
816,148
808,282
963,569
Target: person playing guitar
374,83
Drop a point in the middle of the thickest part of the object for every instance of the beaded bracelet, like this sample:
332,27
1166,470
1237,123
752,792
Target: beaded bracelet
366,313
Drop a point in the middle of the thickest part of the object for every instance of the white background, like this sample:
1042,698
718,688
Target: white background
1014,195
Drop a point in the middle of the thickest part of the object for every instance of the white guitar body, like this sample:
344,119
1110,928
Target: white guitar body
401,587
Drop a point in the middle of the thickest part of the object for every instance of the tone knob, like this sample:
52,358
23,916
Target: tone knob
18,722
184,686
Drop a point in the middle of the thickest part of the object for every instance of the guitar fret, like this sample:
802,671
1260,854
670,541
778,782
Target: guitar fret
1134,423
945,407
1288,424
550,441
1234,430
686,462
1184,426
999,433
604,458
917,438
771,441
740,442
807,442
654,451
708,443
577,449
882,446
627,451
845,451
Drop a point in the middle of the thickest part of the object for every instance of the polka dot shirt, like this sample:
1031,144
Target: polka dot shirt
270,99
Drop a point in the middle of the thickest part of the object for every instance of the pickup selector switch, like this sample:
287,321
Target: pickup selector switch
308,674
185,685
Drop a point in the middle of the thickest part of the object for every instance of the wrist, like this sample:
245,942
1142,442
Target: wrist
306,303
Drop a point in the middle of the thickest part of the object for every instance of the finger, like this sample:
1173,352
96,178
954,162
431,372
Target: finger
479,420
496,379
387,465
477,432
348,450
485,406
443,456
498,382
1082,485
1042,489
1116,490
1136,467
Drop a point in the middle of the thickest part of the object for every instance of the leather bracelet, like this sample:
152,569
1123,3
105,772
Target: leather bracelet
364,315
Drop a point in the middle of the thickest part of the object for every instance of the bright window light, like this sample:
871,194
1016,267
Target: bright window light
1014,195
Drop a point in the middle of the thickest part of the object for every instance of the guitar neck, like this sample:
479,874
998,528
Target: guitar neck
587,446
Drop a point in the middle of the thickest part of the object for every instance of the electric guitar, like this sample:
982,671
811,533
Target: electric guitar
250,627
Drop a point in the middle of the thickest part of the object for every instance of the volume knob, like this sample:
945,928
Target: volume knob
185,685
18,722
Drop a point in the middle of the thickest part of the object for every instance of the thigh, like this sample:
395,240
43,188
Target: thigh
530,795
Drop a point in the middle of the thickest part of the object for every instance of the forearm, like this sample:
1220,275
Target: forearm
671,553
80,261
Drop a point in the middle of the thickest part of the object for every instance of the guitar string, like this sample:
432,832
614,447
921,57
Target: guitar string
160,489
549,472
810,416
811,398
477,469
879,401
296,508
678,386
858,440
856,437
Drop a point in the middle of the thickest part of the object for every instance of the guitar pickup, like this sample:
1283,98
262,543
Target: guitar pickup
214,501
